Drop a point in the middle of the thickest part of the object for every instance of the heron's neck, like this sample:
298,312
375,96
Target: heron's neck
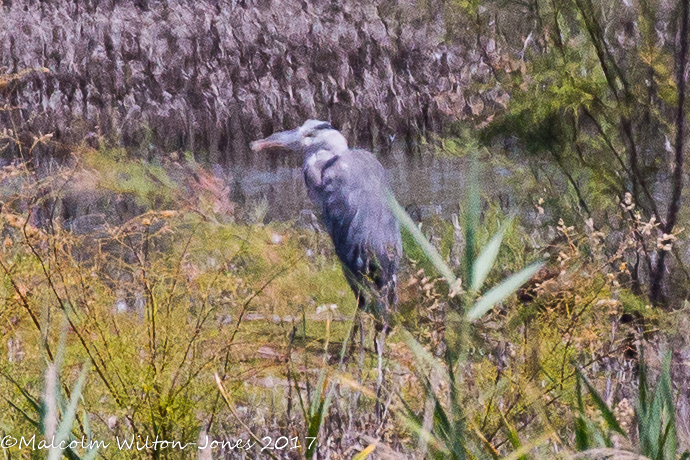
325,152
318,157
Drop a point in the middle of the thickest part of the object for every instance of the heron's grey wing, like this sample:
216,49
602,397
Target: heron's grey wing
356,212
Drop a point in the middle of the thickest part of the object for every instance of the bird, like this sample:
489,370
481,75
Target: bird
350,189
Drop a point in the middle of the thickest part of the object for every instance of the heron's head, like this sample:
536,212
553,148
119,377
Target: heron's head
312,136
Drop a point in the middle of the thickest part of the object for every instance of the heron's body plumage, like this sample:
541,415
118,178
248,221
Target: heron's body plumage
365,233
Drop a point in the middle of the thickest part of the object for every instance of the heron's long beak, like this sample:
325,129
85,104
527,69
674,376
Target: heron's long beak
284,139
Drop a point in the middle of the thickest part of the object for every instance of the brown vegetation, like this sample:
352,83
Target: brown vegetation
211,76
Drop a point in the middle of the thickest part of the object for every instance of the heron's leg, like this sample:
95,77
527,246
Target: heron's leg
358,326
353,336
380,340
362,336
361,304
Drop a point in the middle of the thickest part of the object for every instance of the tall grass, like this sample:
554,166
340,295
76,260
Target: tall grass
156,305
446,433
57,429
447,429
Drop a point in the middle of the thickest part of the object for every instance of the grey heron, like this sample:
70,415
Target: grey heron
350,188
